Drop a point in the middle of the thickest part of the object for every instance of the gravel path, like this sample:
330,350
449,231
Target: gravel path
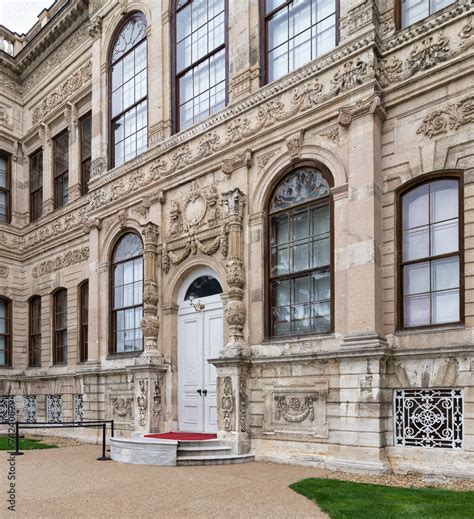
69,483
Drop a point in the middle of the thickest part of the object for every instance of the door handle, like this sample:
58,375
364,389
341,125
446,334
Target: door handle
205,392
199,391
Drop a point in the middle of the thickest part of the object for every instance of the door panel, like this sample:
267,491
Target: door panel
190,373
200,337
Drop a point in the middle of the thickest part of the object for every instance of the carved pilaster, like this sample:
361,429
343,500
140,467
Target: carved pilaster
235,311
150,322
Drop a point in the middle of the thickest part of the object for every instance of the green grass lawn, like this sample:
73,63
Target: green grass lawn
344,500
25,444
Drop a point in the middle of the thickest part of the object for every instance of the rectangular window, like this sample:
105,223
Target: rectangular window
428,418
35,333
61,169
298,31
36,185
200,60
84,321
5,188
60,327
5,332
413,11
86,137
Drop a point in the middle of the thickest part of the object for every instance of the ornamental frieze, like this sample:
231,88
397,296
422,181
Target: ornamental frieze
62,93
451,117
72,257
432,51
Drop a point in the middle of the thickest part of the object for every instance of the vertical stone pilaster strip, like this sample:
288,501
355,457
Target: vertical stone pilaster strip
150,322
235,312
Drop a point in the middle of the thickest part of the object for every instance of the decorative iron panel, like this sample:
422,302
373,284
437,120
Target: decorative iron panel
78,408
54,408
429,418
30,408
7,408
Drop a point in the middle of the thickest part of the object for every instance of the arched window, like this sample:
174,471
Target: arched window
296,32
60,327
5,332
127,294
128,91
200,60
83,321
300,255
430,237
34,343
203,286
5,188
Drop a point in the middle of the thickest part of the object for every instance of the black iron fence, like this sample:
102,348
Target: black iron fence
63,425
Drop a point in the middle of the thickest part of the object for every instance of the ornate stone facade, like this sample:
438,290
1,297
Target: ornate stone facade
383,109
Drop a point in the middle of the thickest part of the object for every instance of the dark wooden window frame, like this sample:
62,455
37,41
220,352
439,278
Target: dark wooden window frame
263,19
403,190
8,188
34,338
84,159
120,26
56,329
8,334
268,337
62,174
37,190
174,75
113,342
83,293
398,14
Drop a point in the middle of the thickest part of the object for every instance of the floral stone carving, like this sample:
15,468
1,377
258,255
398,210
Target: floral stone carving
227,403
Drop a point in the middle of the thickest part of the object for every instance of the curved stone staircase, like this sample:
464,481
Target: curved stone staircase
208,452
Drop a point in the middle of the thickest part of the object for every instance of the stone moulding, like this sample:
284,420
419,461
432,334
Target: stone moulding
451,117
73,257
62,93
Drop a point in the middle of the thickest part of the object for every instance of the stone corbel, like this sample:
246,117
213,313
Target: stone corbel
91,223
45,134
237,161
372,105
95,28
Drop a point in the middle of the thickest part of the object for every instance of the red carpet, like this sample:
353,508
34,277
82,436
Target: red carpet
181,436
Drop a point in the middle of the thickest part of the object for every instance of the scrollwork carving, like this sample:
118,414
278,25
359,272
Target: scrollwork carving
451,117
227,404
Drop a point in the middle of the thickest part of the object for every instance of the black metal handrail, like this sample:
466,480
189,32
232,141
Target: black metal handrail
63,425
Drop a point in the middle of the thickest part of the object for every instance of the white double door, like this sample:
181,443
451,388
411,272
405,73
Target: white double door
200,337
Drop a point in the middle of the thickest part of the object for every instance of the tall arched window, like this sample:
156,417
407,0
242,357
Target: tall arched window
60,327
83,321
430,237
5,188
300,255
200,34
127,294
34,346
128,91
5,332
297,31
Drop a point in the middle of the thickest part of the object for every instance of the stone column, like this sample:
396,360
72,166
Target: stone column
235,312
150,322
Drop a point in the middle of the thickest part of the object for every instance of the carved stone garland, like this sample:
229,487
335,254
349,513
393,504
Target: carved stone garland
235,312
121,406
227,402
142,401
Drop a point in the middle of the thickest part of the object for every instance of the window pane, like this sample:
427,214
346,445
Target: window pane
416,243
281,261
280,229
300,225
281,293
302,290
446,307
417,310
301,257
444,200
321,253
416,278
322,285
416,207
444,238
281,321
445,274
301,318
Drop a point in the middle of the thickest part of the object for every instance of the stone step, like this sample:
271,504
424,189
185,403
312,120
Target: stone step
199,443
214,460
203,451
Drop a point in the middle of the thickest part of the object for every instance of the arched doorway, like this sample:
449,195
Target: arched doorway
200,337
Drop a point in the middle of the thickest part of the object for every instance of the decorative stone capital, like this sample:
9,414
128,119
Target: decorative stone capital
235,202
150,233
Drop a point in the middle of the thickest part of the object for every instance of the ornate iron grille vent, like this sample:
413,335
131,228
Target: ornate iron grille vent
78,408
54,407
7,408
430,418
30,409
